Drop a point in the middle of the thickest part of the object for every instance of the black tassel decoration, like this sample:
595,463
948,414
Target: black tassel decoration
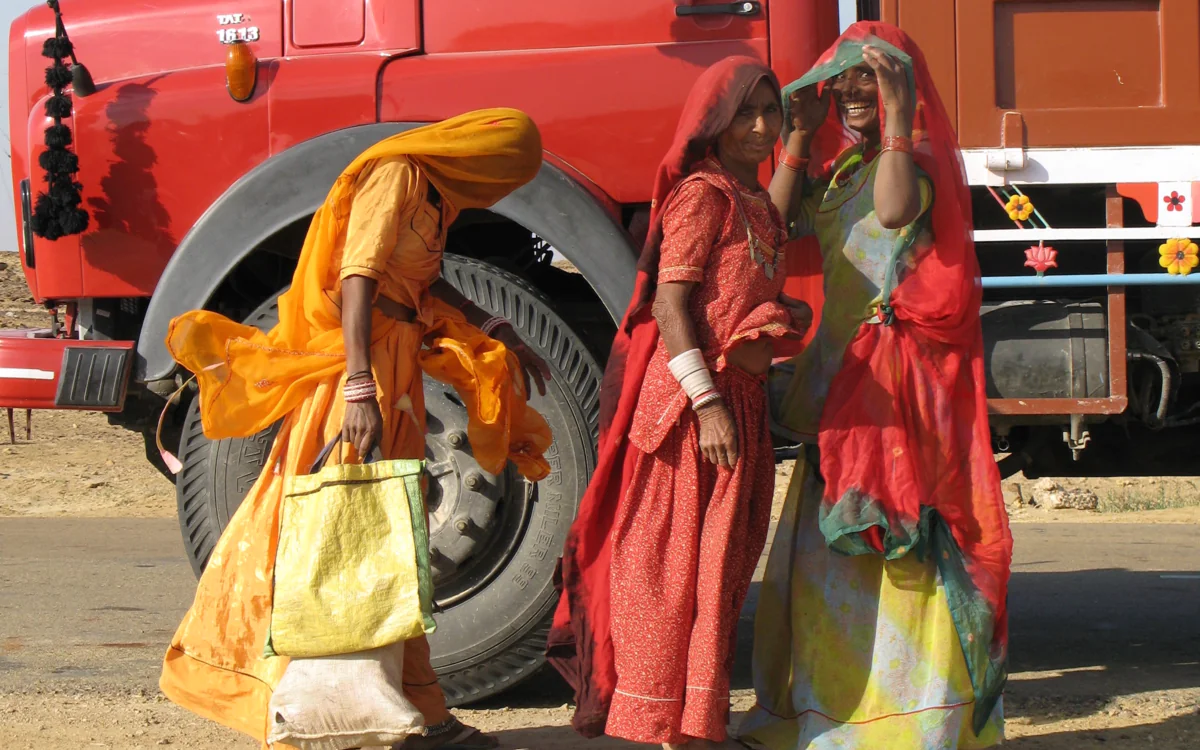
57,212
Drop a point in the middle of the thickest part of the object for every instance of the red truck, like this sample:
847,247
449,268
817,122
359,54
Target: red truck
212,133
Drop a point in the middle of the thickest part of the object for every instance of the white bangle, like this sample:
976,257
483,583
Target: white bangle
692,373
708,398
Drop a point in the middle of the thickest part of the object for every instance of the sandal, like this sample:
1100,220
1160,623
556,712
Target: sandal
451,734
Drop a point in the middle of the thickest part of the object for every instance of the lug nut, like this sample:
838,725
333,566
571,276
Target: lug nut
440,562
466,526
474,481
457,438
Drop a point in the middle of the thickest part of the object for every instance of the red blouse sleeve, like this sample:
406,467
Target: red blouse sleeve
691,223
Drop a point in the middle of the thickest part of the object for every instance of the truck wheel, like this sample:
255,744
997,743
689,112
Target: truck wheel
494,540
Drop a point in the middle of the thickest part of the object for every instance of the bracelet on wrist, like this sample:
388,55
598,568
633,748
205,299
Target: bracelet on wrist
792,162
703,401
358,392
897,143
691,371
359,375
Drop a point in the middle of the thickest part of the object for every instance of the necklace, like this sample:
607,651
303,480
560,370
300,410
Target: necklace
760,252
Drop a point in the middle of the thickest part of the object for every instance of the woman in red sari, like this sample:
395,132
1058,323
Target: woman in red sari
669,532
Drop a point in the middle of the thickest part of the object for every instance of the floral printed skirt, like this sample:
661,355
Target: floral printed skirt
855,652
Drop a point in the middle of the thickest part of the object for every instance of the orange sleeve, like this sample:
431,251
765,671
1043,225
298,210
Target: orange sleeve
381,203
691,223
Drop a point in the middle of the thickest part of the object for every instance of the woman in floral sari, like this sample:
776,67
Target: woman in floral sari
882,621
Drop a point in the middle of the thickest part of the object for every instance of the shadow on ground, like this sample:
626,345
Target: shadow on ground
1082,641
1183,731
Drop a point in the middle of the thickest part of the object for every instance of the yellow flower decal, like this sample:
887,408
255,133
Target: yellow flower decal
1178,256
1019,207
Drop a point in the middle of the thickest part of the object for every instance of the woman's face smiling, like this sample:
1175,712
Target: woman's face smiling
750,138
856,93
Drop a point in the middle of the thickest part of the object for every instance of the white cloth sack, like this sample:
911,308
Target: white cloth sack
344,701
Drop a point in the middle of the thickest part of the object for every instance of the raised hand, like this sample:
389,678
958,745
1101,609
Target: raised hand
893,85
807,111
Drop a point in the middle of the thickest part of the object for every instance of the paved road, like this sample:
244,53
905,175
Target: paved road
1095,608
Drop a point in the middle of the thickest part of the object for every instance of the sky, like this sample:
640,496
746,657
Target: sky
847,12
10,9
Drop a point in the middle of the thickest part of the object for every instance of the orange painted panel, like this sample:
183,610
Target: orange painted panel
1080,72
1055,56
931,25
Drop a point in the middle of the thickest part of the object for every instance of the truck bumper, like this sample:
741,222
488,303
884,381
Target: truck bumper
41,372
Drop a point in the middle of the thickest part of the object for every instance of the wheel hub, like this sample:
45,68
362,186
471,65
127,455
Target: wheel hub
471,513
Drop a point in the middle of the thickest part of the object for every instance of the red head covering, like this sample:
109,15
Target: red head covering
905,444
709,110
945,292
580,644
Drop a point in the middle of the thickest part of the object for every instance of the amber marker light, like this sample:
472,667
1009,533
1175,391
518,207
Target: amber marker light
241,70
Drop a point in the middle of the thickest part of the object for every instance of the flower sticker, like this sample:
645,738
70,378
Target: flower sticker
1174,202
1019,207
1041,258
1179,257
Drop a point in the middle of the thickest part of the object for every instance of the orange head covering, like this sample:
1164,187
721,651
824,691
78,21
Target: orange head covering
250,379
473,160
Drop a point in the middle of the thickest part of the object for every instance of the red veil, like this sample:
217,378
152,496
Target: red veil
580,642
905,446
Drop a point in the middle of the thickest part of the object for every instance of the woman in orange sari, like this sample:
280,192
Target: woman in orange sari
347,358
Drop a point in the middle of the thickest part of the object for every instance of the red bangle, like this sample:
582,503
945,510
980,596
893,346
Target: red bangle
897,143
363,390
794,163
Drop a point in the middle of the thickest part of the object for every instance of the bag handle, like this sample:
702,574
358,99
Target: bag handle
373,455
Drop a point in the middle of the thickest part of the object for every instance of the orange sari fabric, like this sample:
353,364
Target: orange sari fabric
250,379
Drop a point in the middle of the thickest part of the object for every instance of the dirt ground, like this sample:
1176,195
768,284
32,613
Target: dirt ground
77,465
17,309
1162,721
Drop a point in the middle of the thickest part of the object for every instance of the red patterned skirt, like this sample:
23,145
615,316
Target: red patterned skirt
687,538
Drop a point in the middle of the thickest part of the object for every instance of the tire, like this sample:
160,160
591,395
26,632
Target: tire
494,540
